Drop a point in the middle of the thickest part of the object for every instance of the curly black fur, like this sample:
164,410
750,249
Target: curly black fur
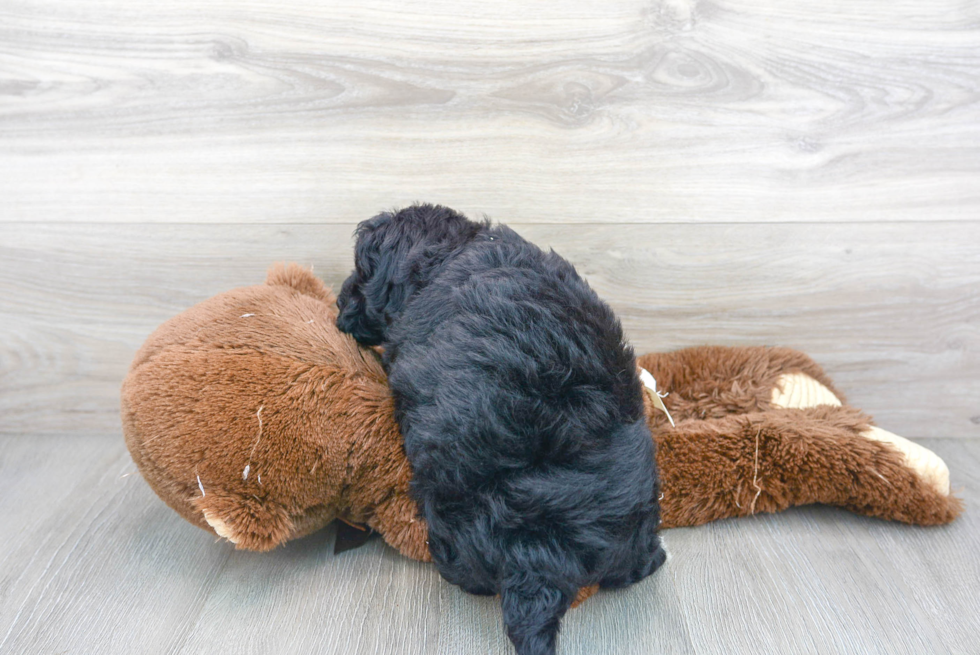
521,411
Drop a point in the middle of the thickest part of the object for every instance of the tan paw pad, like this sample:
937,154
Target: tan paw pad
220,527
927,464
798,391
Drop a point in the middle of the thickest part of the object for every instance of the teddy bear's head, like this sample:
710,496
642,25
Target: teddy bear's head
242,413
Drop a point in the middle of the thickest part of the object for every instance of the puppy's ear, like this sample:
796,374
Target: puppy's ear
363,296
395,256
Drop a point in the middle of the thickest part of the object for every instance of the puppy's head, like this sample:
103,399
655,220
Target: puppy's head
396,254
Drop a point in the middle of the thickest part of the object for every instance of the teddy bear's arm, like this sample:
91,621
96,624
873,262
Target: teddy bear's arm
396,519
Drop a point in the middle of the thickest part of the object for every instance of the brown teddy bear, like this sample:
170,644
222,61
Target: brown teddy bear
253,417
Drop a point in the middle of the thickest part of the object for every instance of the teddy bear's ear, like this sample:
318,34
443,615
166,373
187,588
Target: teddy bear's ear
247,522
301,279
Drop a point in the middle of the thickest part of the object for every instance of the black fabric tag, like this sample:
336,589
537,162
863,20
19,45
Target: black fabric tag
350,537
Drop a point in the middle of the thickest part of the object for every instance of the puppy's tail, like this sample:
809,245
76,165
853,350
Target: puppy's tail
533,608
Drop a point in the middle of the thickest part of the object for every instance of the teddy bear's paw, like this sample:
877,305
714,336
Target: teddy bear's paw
248,522
799,390
221,528
927,464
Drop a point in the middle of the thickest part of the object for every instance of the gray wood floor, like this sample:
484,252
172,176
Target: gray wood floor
731,172
93,562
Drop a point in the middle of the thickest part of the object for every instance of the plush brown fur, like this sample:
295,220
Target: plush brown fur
260,379
733,454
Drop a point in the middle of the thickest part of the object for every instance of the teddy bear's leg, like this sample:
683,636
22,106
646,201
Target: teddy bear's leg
799,391
397,520
716,381
247,522
769,461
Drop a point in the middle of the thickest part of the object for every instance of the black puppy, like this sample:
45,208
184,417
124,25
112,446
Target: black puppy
520,407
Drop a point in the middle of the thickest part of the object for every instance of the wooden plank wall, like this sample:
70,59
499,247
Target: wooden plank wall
737,172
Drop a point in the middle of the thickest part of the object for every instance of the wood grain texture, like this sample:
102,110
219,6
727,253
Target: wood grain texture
621,110
93,562
892,311
732,172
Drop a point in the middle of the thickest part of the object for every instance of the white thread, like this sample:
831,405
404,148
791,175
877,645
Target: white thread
880,476
651,384
755,473
248,466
